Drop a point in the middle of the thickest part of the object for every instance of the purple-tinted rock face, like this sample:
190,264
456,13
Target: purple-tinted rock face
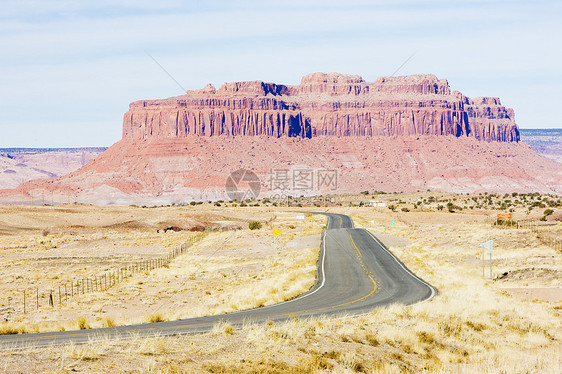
324,105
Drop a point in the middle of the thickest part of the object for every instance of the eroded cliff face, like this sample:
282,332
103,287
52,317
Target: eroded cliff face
324,104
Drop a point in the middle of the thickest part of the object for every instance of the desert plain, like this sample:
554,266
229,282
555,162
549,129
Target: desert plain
508,323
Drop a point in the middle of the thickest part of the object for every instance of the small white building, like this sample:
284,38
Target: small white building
376,203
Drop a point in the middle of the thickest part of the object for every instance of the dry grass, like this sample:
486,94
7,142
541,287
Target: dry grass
222,272
472,326
156,317
82,323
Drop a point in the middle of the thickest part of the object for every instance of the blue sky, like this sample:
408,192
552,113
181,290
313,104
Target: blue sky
69,69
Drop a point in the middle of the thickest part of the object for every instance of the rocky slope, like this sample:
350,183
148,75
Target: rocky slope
23,164
395,134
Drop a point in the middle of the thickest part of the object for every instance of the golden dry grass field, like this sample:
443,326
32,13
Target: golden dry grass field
508,324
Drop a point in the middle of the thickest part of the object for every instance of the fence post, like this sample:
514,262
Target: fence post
23,301
37,298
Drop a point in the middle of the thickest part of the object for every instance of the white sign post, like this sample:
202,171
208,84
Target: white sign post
489,245
300,218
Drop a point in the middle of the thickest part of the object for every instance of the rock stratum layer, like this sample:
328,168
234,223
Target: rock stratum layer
396,134
324,105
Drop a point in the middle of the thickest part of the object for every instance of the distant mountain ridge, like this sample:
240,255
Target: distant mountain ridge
19,165
546,142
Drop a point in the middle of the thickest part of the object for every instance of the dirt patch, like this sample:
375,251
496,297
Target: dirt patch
544,294
543,274
308,241
391,240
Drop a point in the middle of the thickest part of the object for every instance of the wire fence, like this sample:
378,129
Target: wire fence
30,299
539,230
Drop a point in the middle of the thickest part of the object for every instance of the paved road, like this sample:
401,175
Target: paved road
356,273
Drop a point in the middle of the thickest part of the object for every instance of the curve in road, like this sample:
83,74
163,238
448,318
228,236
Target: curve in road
356,273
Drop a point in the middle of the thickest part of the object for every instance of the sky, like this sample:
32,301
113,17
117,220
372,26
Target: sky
70,68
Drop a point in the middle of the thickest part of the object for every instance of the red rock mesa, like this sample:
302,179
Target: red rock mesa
395,134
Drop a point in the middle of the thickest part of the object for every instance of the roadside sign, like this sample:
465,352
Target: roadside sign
300,216
277,232
489,245
504,216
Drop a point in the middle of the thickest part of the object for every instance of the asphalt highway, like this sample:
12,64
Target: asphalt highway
356,274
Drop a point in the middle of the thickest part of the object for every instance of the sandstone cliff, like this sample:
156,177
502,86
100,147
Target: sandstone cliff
324,104
395,134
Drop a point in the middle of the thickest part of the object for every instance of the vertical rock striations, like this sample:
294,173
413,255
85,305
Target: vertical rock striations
324,105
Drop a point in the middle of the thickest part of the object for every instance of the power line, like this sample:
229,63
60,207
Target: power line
165,71
404,63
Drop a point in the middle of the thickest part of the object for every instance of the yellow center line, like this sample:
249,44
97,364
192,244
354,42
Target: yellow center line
353,301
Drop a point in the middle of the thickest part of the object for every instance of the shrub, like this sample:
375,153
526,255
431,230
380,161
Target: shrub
548,212
10,329
405,209
229,330
108,322
82,324
508,222
156,317
255,225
